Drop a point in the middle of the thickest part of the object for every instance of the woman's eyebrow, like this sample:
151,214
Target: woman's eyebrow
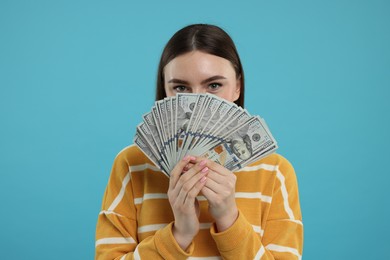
178,81
217,77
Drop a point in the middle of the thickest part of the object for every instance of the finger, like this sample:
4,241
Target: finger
188,191
216,177
208,193
188,166
218,168
176,184
198,159
175,174
214,185
194,192
214,166
191,172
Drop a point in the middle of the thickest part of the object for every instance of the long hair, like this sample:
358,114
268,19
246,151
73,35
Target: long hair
207,38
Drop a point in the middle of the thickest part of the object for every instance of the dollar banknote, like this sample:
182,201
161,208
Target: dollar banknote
202,125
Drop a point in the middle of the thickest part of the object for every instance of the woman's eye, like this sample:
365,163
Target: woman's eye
215,86
180,88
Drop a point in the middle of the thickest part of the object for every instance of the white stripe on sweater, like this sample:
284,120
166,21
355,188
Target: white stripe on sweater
204,258
205,225
142,167
106,212
126,180
115,240
155,227
284,249
293,220
201,198
240,195
119,197
262,166
281,178
258,229
150,196
260,253
284,194
253,195
149,228
136,254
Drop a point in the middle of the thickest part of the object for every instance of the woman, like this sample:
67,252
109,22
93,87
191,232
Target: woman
203,209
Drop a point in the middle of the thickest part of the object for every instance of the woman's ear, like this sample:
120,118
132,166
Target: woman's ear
237,91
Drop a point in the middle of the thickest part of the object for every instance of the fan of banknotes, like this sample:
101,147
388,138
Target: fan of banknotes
202,125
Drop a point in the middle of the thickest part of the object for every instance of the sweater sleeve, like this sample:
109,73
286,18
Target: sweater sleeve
116,230
283,232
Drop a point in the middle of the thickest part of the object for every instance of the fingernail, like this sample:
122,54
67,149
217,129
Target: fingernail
203,163
193,158
186,158
205,169
203,179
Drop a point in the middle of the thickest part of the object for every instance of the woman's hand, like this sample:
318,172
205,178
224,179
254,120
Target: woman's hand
182,192
219,190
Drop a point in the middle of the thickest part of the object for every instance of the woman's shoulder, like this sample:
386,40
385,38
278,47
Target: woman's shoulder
274,162
132,155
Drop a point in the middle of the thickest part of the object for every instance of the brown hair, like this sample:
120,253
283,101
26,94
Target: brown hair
207,38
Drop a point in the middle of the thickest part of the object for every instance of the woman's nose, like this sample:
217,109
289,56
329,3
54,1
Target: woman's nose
198,90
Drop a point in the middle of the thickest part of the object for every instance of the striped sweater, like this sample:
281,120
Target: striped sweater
136,218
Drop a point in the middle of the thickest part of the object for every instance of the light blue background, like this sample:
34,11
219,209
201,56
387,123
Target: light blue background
76,76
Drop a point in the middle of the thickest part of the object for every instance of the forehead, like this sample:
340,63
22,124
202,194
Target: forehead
200,63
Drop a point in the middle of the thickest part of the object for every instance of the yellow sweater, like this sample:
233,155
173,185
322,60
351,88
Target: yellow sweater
136,218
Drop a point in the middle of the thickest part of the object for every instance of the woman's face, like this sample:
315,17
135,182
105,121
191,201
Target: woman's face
199,72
